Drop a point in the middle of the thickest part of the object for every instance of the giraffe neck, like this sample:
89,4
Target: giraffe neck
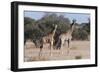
54,30
72,27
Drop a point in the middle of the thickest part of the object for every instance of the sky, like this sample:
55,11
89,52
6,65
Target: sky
80,17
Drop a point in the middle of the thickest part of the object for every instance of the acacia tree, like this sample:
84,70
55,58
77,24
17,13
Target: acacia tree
36,29
83,32
48,21
28,28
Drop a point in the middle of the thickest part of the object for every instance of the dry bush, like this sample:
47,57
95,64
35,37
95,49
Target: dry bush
78,57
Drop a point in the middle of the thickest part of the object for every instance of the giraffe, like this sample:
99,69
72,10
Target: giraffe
67,36
49,39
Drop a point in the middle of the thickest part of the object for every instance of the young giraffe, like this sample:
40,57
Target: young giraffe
67,36
49,39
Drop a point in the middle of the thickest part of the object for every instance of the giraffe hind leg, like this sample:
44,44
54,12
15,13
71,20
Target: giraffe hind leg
50,49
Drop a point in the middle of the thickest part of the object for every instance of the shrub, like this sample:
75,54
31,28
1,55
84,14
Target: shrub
80,34
78,57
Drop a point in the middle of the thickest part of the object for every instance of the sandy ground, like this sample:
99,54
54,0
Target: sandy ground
78,50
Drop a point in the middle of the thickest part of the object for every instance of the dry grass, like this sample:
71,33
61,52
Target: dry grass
78,50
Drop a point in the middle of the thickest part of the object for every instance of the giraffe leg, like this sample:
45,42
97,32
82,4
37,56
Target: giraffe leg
40,53
50,49
62,47
69,41
41,47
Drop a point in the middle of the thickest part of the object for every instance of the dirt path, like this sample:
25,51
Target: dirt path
78,50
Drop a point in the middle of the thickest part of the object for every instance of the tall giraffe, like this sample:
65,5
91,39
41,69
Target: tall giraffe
50,39
67,36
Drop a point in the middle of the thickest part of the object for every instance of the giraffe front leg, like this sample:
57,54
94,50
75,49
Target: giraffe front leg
40,53
62,46
69,42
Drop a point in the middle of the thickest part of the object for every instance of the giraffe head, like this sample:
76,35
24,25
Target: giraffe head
73,25
73,21
55,26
